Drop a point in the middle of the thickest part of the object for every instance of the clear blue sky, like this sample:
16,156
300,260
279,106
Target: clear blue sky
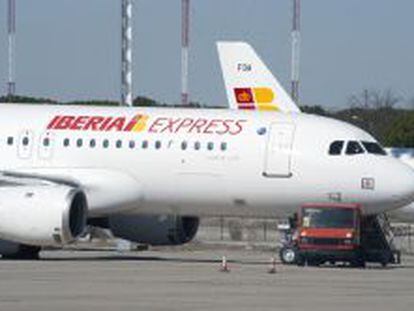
69,49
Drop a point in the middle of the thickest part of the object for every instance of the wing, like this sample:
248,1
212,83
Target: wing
107,191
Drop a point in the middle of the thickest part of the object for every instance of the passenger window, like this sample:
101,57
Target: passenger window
25,141
373,148
132,144
336,147
184,145
119,144
10,141
223,146
46,142
210,146
66,142
105,143
145,144
197,145
157,144
92,143
79,143
354,147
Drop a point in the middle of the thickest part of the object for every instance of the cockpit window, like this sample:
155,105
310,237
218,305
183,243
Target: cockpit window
336,147
374,148
354,147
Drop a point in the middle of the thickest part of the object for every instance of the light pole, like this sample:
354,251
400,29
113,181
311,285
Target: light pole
126,51
11,28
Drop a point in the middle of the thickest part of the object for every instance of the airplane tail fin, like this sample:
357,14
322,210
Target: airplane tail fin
249,83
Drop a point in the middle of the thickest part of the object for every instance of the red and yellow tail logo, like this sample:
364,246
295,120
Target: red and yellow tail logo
261,98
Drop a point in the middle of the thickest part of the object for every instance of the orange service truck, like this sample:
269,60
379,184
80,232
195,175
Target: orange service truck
336,232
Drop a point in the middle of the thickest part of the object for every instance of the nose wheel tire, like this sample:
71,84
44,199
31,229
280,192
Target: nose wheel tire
288,255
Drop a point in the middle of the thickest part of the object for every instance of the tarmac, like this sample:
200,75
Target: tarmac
191,280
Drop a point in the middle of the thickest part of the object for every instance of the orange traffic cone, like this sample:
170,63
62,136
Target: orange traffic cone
272,269
224,265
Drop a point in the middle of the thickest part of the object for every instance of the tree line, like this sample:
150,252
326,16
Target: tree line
378,113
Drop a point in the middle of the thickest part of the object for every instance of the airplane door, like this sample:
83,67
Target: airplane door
25,144
279,150
46,146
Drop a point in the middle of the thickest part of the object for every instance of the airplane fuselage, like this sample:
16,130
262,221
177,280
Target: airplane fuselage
198,162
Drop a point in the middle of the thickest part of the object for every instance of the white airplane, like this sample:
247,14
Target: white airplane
64,166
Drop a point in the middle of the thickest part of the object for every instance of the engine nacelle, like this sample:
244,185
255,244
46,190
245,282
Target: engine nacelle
154,230
42,215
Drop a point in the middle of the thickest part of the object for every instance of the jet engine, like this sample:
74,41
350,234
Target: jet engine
154,230
42,215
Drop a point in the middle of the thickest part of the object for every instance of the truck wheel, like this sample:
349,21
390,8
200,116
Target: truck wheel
288,255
